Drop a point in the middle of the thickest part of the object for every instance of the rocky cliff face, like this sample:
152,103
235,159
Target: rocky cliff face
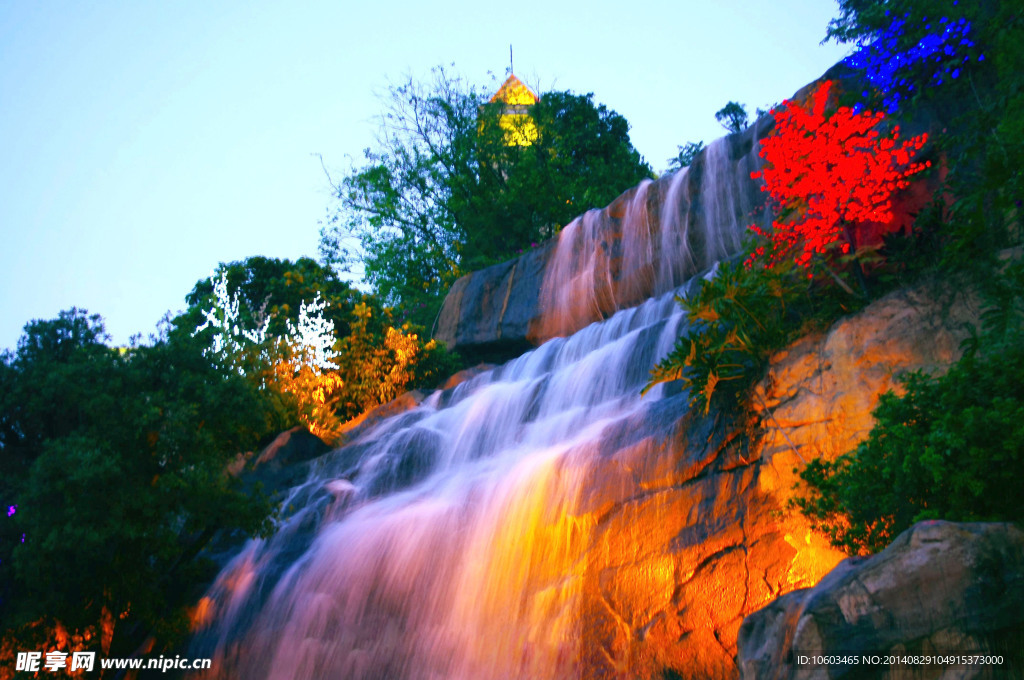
651,239
939,589
691,526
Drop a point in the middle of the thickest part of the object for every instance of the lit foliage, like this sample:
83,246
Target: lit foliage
826,173
230,339
327,380
316,394
299,363
306,370
381,366
896,72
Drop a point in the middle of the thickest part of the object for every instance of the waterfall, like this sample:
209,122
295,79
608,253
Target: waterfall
445,543
652,239
450,541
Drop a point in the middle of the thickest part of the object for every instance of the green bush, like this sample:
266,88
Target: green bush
113,475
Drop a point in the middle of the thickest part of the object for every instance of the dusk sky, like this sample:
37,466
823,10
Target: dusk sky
143,143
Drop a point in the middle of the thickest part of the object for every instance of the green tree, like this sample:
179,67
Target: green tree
116,461
733,117
687,154
445,193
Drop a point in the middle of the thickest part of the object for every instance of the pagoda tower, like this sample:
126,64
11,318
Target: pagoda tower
516,99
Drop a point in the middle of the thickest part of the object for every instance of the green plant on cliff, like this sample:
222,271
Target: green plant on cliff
734,321
687,154
737,319
444,192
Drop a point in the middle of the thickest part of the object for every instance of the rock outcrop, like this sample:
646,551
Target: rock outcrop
819,393
940,589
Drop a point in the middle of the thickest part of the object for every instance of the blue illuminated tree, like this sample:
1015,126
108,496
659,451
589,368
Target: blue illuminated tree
896,70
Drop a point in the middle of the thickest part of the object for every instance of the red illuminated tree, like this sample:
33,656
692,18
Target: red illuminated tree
828,173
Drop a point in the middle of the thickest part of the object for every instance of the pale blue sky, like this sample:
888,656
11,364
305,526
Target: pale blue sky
142,143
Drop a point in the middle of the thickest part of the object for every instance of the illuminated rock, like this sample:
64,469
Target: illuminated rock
691,527
939,589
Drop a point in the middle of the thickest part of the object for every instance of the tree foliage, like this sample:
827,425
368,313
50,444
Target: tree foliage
735,320
974,49
380,359
115,460
323,350
687,154
445,193
272,290
733,117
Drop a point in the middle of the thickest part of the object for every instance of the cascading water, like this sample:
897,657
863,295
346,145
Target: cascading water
667,231
448,542
445,543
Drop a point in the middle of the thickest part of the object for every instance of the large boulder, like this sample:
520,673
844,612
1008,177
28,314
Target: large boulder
939,590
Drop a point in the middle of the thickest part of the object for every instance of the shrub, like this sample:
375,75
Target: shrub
737,319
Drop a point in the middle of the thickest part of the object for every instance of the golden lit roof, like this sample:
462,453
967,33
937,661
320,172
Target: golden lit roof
514,93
